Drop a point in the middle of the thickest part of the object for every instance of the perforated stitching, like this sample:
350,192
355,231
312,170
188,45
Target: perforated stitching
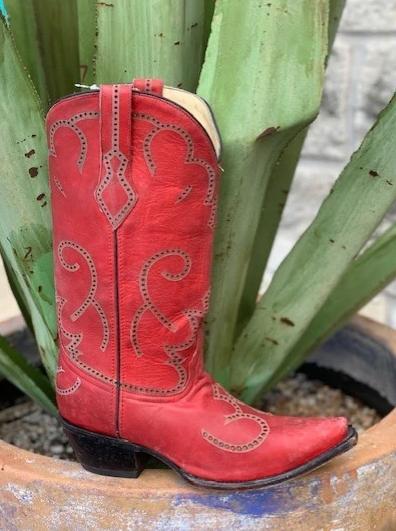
239,414
59,186
65,391
71,124
173,351
115,153
184,194
90,299
148,305
210,199
72,347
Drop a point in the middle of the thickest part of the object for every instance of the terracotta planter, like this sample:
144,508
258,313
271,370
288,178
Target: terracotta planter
356,491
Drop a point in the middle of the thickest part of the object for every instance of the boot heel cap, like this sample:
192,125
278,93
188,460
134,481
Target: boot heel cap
104,455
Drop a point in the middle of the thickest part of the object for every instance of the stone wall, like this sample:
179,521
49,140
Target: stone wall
361,79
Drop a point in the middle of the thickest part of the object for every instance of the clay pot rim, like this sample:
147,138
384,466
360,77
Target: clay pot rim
374,444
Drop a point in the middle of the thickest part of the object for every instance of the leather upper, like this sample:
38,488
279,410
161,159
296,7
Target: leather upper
134,181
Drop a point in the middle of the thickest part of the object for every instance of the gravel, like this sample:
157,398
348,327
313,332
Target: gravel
298,395
27,426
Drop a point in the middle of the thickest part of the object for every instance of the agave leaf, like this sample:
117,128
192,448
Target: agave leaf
87,14
275,199
57,30
257,121
367,276
25,222
209,6
27,378
22,20
359,200
47,345
274,203
150,39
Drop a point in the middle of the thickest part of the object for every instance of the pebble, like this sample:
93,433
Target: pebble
57,449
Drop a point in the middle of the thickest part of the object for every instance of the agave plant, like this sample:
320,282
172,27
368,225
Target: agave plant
260,65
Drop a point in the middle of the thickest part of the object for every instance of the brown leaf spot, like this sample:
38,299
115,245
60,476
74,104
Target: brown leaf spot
373,173
287,321
30,153
269,131
33,172
40,196
176,43
28,253
271,340
331,240
389,182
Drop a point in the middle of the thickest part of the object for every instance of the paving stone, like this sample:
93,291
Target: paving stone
375,83
310,187
328,135
369,15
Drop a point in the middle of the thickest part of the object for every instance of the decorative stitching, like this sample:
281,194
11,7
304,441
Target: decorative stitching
115,153
65,391
210,199
194,318
184,194
205,301
71,124
90,299
59,186
221,394
72,347
148,305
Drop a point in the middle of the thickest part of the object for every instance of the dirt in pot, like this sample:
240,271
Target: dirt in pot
27,426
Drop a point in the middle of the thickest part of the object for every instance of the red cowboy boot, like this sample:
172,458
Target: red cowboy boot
134,178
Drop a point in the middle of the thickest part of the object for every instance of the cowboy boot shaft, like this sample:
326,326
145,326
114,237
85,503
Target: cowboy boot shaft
134,185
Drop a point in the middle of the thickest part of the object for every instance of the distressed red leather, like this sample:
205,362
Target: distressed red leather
134,181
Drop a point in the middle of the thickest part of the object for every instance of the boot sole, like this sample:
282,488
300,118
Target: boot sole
109,456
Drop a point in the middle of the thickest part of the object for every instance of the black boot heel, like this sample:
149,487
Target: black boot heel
105,455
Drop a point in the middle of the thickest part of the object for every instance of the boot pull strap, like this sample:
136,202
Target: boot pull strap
149,85
114,192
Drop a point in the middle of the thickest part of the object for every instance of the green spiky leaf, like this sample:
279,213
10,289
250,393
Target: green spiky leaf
25,222
275,199
257,121
27,378
359,200
366,277
87,21
151,39
24,27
